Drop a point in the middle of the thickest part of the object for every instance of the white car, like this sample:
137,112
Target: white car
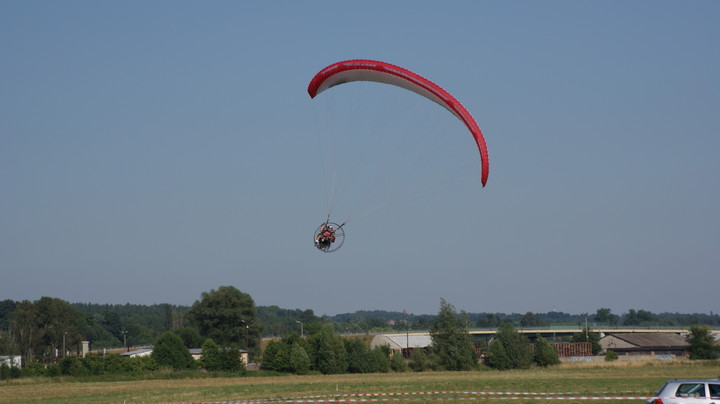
690,391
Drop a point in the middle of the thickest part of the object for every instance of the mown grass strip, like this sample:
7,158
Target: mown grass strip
582,380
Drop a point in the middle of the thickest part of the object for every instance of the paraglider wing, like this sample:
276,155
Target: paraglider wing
381,72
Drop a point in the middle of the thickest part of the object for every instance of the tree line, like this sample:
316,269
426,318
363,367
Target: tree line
453,348
49,331
45,323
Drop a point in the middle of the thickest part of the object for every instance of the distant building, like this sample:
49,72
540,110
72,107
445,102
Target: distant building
402,343
11,361
137,353
573,350
196,354
666,344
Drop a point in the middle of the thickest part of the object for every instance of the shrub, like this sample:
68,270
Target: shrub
358,356
143,364
610,356
34,368
189,336
452,345
16,372
73,366
66,363
94,364
275,357
115,364
497,357
330,353
702,343
587,335
299,360
545,354
379,358
509,349
4,371
397,363
420,361
211,360
50,371
170,351
230,360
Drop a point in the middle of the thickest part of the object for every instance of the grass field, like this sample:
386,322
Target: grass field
572,380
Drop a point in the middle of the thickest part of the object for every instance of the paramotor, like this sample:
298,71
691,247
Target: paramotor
329,237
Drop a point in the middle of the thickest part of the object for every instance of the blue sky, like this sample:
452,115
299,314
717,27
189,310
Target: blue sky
151,151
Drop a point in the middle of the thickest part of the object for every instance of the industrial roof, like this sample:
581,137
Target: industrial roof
652,339
399,341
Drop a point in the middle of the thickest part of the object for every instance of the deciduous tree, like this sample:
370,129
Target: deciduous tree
497,357
545,354
299,361
39,328
420,361
531,319
604,315
228,316
588,335
451,342
330,354
702,343
275,357
211,358
515,347
170,351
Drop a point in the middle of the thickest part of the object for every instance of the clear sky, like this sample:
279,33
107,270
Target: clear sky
154,150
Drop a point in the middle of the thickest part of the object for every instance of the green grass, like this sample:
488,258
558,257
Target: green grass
616,379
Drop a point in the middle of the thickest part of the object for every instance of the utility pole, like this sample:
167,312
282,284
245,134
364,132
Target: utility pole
301,327
407,335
